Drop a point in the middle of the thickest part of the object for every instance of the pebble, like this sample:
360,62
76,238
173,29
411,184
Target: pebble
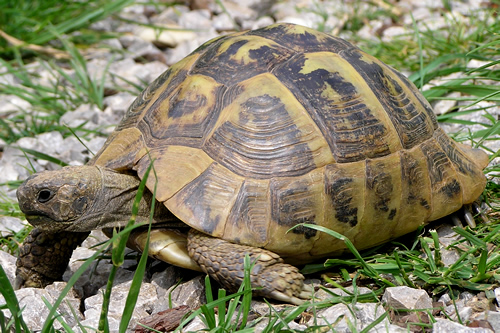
448,326
144,305
10,225
8,264
406,298
35,311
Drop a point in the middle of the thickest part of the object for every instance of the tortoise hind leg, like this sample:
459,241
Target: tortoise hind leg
224,262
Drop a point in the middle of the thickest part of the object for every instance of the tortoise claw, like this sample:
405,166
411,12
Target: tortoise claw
480,208
469,218
468,212
456,220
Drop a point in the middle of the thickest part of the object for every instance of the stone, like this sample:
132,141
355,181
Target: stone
223,22
145,303
171,38
10,225
492,317
261,7
97,274
395,32
119,103
190,293
340,318
406,298
464,312
8,263
448,236
145,50
150,71
36,311
170,15
164,280
497,295
261,22
263,323
237,11
196,325
86,116
10,104
444,106
326,293
448,326
264,309
199,19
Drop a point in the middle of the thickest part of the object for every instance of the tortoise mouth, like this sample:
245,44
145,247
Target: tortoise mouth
46,223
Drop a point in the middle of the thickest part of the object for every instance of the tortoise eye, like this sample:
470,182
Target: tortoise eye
44,196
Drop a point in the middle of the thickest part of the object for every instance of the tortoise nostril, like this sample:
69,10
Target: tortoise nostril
44,196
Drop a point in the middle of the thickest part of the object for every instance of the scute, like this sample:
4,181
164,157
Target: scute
240,58
266,133
351,118
261,131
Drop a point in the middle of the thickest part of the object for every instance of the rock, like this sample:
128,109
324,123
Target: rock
96,276
150,72
497,295
119,103
199,19
223,22
145,303
492,317
395,31
91,118
190,293
448,236
262,308
10,225
36,311
464,312
340,318
171,15
164,280
448,326
12,104
239,12
171,38
196,325
263,323
261,22
145,50
261,7
480,303
406,298
444,106
322,294
8,263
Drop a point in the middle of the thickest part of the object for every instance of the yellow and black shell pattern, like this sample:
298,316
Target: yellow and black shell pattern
256,132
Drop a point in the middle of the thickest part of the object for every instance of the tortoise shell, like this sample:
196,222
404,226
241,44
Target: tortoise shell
258,131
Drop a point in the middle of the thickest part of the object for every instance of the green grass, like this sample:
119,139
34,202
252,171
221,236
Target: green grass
415,261
41,21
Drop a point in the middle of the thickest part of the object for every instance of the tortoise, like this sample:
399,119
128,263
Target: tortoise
251,136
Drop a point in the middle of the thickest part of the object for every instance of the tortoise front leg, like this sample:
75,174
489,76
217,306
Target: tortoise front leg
224,261
43,257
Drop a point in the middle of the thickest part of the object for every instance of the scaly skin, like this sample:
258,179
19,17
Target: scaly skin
224,261
43,257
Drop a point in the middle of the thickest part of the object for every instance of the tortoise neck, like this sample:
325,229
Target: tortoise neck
115,205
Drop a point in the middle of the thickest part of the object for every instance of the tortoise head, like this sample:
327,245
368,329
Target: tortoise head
55,200
84,198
